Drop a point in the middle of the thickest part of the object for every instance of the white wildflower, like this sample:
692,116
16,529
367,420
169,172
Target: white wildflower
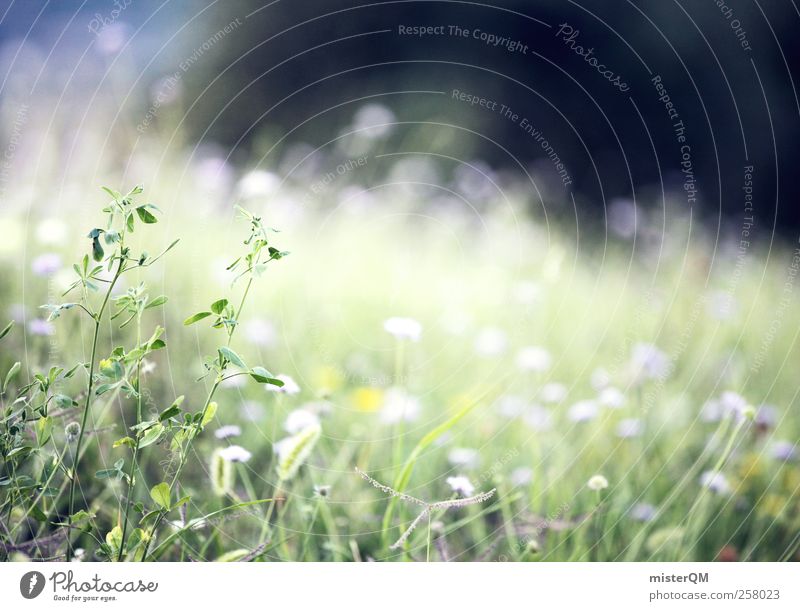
597,483
461,485
299,419
534,358
403,328
228,431
235,454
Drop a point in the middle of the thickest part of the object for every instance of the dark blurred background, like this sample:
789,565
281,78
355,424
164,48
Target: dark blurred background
305,68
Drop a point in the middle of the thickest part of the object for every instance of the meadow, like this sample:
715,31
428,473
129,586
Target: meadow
396,373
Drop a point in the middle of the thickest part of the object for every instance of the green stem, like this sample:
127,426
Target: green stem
74,475
134,458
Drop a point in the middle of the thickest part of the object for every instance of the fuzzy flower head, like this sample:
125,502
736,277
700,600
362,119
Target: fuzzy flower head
643,512
534,358
783,451
294,451
649,363
46,264
597,483
290,387
583,411
553,392
403,328
299,419
228,431
72,430
464,457
716,482
399,406
235,454
461,485
611,397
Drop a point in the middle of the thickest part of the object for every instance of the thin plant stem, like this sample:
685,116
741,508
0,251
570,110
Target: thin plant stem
90,388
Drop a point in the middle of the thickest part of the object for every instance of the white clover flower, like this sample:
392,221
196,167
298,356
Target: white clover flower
403,328
611,397
521,476
643,512
527,293
299,419
583,411
46,264
716,482
399,406
766,416
467,458
289,387
258,184
374,121
228,431
597,483
538,418
733,404
629,427
491,342
235,454
461,485
511,406
260,332
38,326
783,451
600,379
252,411
534,358
455,322
234,382
649,363
553,392
51,232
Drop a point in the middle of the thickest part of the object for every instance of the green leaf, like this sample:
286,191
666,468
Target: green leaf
106,473
7,330
125,441
158,301
130,222
234,555
115,195
10,376
231,356
211,411
158,344
161,495
37,514
97,250
195,317
114,542
219,306
146,216
44,429
168,413
151,435
260,375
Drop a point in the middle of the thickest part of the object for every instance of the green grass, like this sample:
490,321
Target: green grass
457,275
